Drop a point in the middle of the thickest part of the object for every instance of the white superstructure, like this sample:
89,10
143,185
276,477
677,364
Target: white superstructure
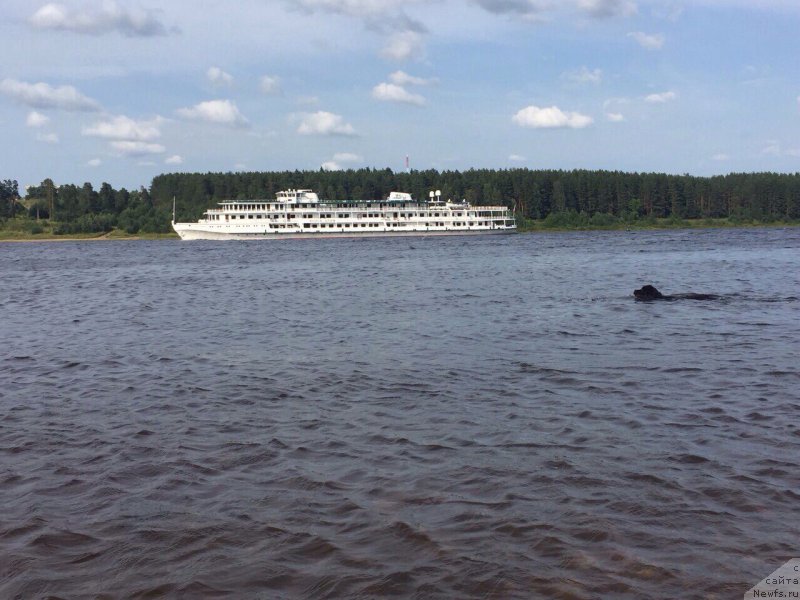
301,214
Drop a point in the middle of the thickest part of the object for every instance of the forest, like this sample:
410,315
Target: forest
551,198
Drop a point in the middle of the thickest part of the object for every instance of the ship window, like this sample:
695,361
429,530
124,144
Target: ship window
249,216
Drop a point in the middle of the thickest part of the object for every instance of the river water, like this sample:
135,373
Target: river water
482,417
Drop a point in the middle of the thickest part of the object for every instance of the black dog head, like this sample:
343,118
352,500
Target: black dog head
647,292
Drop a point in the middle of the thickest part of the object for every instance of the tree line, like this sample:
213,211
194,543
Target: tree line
559,198
82,209
533,194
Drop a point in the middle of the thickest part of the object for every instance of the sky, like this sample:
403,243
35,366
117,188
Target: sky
120,91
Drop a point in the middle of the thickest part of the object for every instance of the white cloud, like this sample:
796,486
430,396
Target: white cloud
218,77
548,118
613,101
223,112
175,159
389,92
270,85
108,17
661,97
536,11
721,157
611,109
653,41
36,119
516,158
95,162
335,164
608,8
584,75
135,148
404,46
403,78
43,95
670,12
47,138
529,10
353,8
324,123
124,128
773,148
378,15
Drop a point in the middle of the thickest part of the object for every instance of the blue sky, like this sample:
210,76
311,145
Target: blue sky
118,91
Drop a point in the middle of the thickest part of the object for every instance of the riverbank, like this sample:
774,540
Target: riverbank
551,224
527,226
24,237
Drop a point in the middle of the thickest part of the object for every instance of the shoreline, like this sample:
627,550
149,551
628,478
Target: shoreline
536,227
86,238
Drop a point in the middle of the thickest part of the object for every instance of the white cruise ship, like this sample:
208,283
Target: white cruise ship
301,214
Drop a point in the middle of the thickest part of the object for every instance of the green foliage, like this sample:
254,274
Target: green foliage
101,223
603,220
568,219
546,198
9,197
640,198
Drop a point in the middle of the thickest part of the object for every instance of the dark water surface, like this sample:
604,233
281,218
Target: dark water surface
420,418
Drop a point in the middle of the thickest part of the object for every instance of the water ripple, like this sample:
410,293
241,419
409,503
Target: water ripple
429,419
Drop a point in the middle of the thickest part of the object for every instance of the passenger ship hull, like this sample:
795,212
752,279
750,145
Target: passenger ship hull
299,214
187,232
